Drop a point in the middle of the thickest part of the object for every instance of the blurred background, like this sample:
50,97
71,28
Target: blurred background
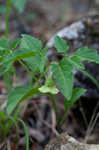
42,18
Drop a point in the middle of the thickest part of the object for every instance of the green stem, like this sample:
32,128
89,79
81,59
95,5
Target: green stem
92,78
7,18
25,68
63,118
26,133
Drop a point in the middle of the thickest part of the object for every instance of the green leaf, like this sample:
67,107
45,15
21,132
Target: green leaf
77,93
43,59
65,64
19,5
18,54
37,62
60,45
26,133
63,75
30,42
4,46
34,63
76,62
15,43
5,67
17,95
2,115
87,54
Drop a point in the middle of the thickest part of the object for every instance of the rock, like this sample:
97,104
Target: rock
80,33
66,142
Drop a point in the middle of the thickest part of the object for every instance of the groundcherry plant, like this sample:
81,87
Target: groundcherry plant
31,54
45,77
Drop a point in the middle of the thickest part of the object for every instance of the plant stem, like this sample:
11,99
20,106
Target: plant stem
26,133
24,66
28,71
92,78
7,18
63,117
54,105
